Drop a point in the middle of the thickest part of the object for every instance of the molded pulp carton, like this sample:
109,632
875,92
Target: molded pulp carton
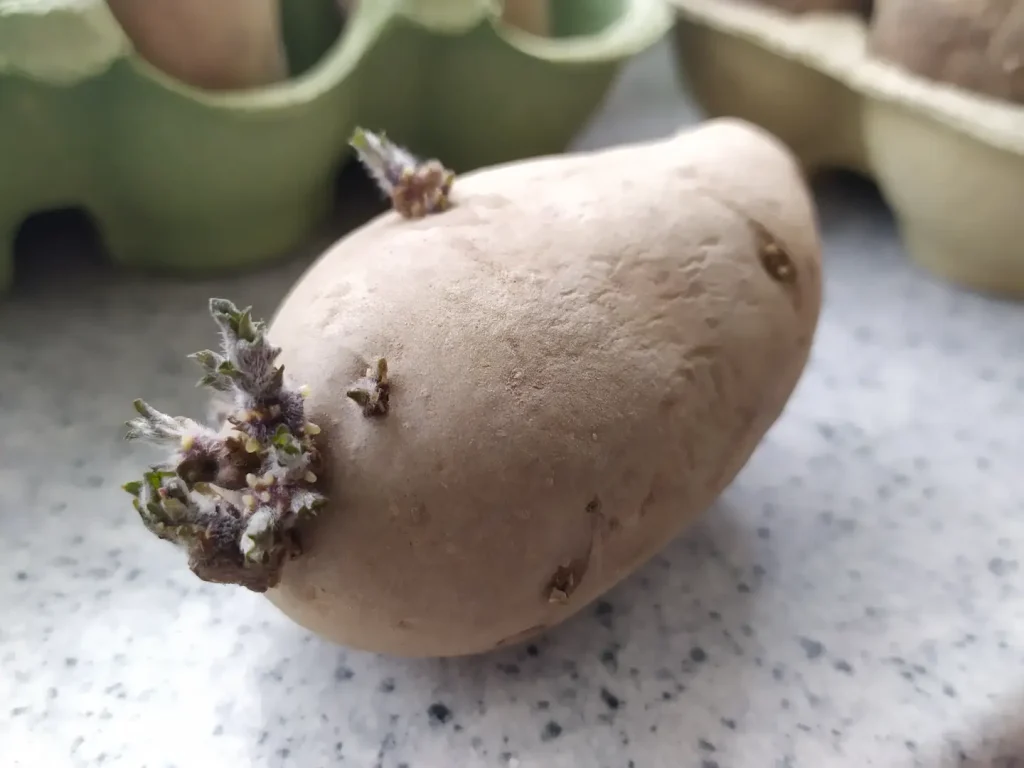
188,181
949,162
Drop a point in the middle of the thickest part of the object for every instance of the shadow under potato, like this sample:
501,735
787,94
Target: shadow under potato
997,739
640,648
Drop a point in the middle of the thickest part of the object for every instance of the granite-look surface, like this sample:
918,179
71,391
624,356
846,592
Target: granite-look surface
853,600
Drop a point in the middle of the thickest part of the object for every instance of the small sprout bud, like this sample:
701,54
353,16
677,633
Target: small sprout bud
157,427
361,396
187,441
265,496
310,477
258,536
251,480
558,596
417,188
252,445
774,258
312,429
373,391
564,582
249,501
305,391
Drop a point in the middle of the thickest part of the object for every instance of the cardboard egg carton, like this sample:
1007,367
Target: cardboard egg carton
949,162
190,181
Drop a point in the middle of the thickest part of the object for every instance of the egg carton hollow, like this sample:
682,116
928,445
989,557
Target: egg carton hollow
191,182
950,163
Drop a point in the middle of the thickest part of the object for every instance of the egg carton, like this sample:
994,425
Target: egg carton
194,182
949,162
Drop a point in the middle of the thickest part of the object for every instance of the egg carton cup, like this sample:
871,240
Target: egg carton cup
193,182
950,163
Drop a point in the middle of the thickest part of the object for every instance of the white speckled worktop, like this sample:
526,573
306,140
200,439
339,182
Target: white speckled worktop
853,600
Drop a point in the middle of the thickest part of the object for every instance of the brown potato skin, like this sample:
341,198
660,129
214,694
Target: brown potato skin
222,45
584,352
531,16
974,44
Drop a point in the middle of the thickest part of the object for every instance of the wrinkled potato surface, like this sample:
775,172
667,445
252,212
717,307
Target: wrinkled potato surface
583,352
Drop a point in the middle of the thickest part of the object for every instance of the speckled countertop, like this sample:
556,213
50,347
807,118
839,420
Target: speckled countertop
853,600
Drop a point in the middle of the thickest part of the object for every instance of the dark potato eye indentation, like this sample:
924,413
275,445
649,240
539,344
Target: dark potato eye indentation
777,263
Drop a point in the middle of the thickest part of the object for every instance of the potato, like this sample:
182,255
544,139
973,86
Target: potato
227,44
533,16
974,44
516,390
583,351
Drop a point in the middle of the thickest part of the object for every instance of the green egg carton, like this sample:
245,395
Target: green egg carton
192,182
949,162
